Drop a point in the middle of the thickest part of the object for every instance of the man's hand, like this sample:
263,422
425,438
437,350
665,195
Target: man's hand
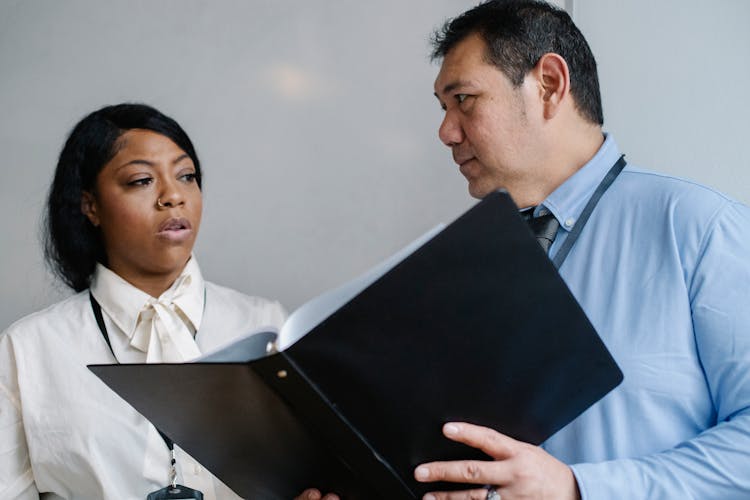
519,471
313,494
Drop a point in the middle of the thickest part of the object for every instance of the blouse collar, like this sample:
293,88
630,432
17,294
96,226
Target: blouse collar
124,302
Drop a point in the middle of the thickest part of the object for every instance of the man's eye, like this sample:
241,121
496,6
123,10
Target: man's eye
461,97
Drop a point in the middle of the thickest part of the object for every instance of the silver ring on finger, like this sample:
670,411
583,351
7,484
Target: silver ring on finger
492,493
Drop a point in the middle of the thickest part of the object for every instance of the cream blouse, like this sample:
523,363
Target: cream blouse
62,431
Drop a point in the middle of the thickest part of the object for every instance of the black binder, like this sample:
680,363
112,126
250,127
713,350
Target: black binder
476,325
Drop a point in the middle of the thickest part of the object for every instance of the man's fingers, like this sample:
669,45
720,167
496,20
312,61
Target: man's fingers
489,441
475,494
463,471
496,445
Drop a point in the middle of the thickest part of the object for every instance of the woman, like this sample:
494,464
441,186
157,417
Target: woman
123,213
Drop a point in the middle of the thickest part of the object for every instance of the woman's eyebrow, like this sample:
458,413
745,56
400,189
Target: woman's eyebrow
148,163
137,161
180,158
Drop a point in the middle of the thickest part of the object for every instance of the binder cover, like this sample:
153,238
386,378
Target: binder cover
476,325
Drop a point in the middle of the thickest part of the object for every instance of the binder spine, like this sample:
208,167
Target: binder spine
333,430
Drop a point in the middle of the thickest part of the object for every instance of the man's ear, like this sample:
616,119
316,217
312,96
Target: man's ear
554,78
89,208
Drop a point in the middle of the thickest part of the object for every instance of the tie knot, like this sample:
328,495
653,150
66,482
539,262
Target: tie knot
163,330
544,227
169,299
147,312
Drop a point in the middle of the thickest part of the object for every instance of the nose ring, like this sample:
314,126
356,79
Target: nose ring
160,204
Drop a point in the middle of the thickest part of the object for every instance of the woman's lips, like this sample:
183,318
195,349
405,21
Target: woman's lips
175,229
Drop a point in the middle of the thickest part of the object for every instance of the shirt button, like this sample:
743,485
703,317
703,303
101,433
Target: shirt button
569,222
196,469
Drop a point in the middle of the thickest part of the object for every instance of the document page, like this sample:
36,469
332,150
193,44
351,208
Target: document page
263,341
315,311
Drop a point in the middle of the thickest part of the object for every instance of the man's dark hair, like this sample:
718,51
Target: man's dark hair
518,33
72,245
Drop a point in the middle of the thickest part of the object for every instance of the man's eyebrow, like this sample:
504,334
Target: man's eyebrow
449,87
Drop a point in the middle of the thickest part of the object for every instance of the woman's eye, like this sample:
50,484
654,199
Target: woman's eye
145,181
189,177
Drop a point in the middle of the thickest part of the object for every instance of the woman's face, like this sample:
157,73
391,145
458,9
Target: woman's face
148,206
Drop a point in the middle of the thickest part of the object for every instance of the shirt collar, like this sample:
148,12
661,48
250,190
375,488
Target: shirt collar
569,199
123,302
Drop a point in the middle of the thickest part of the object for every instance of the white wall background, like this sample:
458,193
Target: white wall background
674,77
315,121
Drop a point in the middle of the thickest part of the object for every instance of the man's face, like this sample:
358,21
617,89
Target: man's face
489,124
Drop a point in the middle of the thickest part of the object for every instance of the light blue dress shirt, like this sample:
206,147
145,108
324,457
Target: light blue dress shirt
662,269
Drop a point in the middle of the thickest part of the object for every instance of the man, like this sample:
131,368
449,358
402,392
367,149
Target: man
661,267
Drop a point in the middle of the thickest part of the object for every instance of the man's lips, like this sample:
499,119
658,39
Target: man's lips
467,166
462,160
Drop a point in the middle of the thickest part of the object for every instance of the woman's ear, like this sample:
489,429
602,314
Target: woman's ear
88,208
554,76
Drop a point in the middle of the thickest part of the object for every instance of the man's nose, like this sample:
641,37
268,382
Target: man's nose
450,131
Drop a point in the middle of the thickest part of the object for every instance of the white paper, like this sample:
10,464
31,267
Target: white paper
250,346
315,311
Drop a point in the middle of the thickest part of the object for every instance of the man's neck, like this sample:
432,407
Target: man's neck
590,140
568,154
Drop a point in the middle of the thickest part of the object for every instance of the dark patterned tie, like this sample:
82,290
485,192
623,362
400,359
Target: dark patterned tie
544,227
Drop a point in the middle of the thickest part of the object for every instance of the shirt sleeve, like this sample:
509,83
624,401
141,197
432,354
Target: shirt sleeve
715,463
16,477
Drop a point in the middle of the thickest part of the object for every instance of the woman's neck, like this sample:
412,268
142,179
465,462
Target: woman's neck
152,283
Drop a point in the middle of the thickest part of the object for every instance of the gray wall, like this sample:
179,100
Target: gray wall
674,79
316,124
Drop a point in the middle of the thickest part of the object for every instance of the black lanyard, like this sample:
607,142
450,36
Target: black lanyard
562,253
173,490
103,328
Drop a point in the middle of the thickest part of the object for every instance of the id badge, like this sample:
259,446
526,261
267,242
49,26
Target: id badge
175,492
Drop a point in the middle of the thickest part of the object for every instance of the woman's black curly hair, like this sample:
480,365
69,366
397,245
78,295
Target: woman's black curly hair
72,245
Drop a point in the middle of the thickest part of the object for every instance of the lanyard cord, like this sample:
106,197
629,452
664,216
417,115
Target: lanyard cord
562,253
103,328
